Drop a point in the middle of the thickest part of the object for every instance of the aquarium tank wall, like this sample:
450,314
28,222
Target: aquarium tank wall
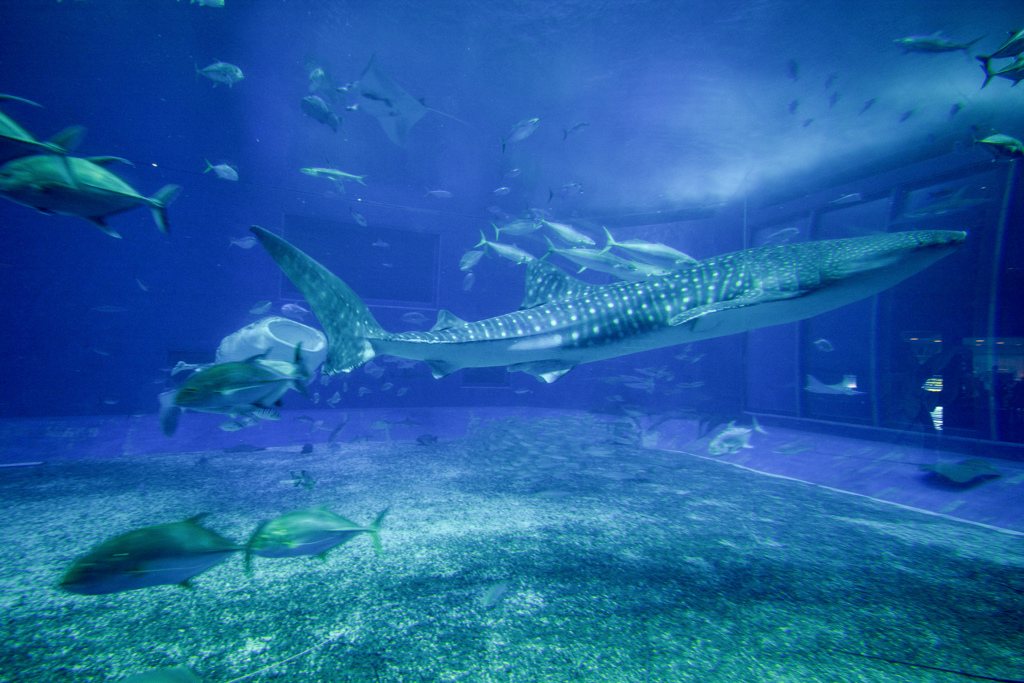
585,262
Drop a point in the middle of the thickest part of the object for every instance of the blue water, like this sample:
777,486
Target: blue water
710,127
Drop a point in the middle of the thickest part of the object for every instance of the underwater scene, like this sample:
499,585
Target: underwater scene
500,342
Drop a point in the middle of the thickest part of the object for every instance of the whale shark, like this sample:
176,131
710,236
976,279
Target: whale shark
564,322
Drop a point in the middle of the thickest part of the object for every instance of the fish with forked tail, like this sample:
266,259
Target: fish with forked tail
94,193
564,322
151,556
307,532
247,387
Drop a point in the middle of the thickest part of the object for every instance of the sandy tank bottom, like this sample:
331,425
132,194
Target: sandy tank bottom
529,550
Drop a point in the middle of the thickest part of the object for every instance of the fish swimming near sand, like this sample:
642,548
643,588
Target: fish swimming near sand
150,556
732,439
307,532
564,322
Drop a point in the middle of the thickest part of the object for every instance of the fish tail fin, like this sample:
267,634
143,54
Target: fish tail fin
348,322
359,178
988,71
375,528
248,547
209,166
551,248
158,205
483,240
302,380
169,413
611,240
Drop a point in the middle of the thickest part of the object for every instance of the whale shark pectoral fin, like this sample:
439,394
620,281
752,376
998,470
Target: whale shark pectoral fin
754,297
546,370
440,368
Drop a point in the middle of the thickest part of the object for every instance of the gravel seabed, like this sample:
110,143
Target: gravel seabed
622,563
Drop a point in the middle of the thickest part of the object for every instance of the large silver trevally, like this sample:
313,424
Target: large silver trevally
41,182
654,252
307,532
1013,46
150,556
238,388
1013,72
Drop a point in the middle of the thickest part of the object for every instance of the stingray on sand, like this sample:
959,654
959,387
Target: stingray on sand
964,471
386,101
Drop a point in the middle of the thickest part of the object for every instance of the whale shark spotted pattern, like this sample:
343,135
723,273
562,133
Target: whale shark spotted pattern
564,322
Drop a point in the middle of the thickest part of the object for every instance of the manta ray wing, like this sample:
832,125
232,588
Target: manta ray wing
382,98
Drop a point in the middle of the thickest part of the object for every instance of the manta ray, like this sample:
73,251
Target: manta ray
395,109
564,322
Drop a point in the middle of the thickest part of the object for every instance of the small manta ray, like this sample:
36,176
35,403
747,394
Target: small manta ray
396,110
307,532
963,472
151,556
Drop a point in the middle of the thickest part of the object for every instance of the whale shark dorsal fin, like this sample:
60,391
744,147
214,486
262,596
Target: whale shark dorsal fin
546,283
446,320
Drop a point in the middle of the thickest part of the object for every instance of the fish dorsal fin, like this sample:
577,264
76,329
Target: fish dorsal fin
69,138
195,519
258,356
446,320
106,161
546,283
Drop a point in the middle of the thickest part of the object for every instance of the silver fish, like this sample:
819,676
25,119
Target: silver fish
307,532
520,132
221,72
95,194
222,170
470,259
151,556
511,252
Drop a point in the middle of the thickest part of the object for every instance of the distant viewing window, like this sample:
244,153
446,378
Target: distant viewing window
381,264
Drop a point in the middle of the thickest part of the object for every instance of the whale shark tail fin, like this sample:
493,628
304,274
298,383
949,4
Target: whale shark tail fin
345,318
